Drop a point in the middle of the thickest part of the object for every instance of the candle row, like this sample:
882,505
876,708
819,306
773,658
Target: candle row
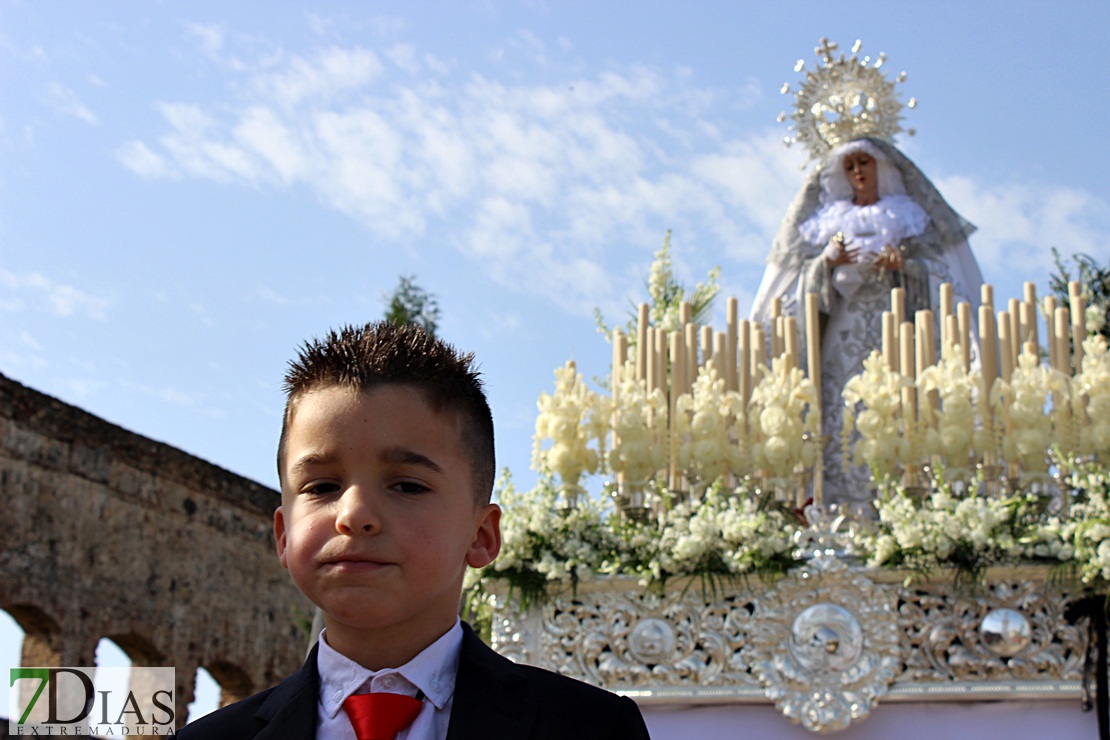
672,361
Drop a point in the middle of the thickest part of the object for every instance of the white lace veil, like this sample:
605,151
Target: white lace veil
944,238
834,180
827,182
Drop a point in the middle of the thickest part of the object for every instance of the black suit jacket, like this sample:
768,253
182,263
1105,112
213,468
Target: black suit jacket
495,699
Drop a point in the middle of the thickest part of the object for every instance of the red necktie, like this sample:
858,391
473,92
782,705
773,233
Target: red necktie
380,715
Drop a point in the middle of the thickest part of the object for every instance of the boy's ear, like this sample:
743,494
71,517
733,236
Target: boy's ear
279,535
487,537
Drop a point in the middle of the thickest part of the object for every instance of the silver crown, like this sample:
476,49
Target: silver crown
843,100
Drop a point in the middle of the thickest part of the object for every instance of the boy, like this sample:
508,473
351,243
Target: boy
386,467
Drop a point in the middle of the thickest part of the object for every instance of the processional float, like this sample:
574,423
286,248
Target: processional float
715,569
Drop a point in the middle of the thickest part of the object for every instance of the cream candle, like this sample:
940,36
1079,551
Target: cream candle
890,341
1031,301
963,312
732,314
1078,322
1005,346
1050,328
790,341
947,308
642,342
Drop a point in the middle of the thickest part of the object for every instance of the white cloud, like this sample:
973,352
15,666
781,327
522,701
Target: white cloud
500,231
176,397
262,131
540,179
320,26
404,56
580,164
1018,224
756,180
66,101
167,394
211,38
28,341
144,162
269,295
38,291
331,72
66,300
196,147
83,387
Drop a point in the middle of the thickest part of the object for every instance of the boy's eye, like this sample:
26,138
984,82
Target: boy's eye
408,486
321,489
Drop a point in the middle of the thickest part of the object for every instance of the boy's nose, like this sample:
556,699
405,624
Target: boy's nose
357,513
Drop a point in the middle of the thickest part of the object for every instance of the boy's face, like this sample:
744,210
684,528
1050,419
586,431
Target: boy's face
378,519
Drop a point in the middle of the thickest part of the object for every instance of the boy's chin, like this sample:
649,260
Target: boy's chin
374,620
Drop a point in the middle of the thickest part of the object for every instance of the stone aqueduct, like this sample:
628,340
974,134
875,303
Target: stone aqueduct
104,533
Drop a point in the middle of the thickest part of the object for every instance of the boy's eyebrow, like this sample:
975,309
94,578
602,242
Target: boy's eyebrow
310,460
404,456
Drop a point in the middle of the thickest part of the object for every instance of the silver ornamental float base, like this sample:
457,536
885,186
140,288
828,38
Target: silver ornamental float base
824,643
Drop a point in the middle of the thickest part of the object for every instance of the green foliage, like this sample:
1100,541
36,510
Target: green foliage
411,304
667,296
1094,281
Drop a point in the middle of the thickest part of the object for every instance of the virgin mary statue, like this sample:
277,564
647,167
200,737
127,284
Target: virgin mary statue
866,220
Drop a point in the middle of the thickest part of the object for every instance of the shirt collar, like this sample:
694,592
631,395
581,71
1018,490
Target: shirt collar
431,671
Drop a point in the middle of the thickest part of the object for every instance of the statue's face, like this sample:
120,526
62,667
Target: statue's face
862,173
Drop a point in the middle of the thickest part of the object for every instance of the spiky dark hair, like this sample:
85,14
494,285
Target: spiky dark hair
381,353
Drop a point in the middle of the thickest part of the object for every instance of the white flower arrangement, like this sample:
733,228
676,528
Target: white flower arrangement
1032,433
1092,397
1079,535
734,534
543,546
725,535
705,423
969,532
955,434
1095,316
543,543
639,423
667,295
575,421
874,409
1034,423
783,421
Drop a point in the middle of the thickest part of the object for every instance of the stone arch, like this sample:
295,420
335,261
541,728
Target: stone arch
206,694
121,655
42,636
234,682
10,650
176,570
138,649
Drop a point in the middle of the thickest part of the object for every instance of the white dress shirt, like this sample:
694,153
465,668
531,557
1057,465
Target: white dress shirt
431,671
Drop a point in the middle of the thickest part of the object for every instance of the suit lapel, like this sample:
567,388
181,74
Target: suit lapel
489,693
290,710
490,699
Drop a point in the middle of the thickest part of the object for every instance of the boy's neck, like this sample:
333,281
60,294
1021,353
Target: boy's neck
389,647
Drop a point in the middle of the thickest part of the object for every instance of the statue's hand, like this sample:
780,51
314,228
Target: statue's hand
889,258
839,252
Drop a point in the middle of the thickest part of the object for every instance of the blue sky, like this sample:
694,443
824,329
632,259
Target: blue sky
188,190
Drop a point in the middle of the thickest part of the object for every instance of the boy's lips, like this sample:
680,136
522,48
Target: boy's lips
354,563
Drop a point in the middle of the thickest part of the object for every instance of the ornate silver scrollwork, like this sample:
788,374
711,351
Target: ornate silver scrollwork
1005,632
825,644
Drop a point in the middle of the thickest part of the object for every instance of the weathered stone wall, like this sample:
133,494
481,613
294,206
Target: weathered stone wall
104,533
